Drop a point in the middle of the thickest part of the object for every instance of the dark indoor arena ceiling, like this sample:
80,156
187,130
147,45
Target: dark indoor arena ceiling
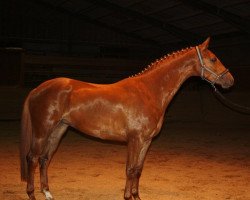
154,23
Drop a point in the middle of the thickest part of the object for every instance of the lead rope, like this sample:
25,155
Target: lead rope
228,103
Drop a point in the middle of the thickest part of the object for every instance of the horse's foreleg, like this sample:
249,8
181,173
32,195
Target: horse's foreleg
139,164
45,158
137,150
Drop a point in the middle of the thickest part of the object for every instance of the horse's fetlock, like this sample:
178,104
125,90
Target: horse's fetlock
30,191
127,196
134,192
44,187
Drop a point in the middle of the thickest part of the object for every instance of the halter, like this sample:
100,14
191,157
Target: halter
204,68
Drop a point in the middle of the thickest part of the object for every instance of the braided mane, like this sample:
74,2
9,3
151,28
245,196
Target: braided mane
164,58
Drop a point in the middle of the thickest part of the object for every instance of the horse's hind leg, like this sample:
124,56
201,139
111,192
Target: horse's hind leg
45,158
32,160
32,163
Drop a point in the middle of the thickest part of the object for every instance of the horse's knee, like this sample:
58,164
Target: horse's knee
138,172
134,172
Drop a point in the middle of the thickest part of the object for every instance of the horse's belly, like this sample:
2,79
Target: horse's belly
108,135
105,128
105,134
107,120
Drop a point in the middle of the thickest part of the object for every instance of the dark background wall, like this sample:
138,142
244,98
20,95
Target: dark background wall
105,41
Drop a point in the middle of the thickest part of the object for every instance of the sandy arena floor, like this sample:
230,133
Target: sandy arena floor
186,162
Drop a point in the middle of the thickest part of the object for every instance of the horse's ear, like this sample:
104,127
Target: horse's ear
205,44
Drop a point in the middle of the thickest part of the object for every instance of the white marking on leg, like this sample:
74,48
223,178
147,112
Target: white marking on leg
47,194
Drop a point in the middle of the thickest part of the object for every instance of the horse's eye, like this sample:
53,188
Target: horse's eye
213,59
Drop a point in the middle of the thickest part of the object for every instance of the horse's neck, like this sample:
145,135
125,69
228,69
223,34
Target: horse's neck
164,81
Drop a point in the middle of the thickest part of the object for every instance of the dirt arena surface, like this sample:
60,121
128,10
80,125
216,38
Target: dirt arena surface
186,162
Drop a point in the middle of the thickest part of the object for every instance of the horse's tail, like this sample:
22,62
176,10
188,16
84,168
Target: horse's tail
25,142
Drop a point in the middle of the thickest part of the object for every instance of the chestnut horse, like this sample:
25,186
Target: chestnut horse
131,110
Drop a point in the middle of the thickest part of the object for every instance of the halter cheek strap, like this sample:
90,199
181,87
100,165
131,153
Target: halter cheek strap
204,68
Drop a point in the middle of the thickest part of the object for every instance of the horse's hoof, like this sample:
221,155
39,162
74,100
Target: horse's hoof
48,195
128,198
49,198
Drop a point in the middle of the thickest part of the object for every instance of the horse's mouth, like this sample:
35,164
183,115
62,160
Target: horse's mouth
227,85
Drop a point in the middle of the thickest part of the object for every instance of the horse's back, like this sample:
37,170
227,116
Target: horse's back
59,83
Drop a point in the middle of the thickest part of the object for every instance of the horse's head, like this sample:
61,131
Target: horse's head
210,67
